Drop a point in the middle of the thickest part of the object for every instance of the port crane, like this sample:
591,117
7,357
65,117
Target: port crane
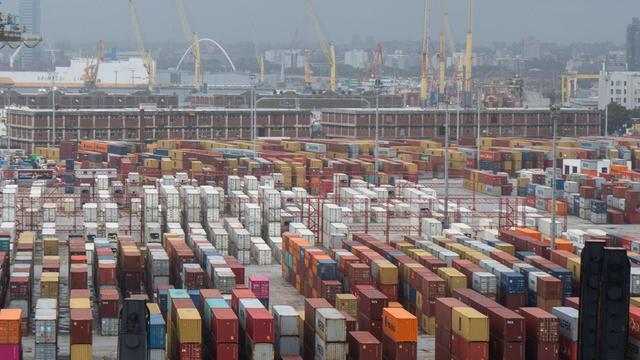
468,63
15,35
375,68
569,84
146,54
308,72
442,58
193,39
328,49
424,86
259,58
92,68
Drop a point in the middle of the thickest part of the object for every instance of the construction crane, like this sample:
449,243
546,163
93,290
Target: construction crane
308,72
424,86
147,55
442,58
259,58
328,49
569,84
90,76
468,64
193,39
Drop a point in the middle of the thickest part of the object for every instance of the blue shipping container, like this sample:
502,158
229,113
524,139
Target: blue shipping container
522,254
327,270
513,283
157,331
532,298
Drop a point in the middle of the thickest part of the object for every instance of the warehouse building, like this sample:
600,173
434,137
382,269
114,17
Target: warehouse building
96,100
429,123
31,128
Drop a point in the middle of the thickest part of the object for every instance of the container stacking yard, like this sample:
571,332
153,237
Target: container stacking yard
310,251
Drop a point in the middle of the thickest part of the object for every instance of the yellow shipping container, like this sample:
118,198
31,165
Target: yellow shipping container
635,301
80,303
573,264
177,164
196,165
189,326
506,247
49,285
470,324
387,273
176,154
428,324
454,278
476,256
347,303
50,246
81,352
166,164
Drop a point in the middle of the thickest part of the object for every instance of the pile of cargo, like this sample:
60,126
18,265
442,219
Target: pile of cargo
81,325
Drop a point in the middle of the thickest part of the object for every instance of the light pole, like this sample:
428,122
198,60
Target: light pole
252,78
378,86
116,72
555,114
446,166
53,107
606,120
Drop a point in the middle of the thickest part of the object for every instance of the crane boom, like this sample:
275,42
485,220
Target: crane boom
424,86
146,54
259,57
193,39
468,54
442,58
328,49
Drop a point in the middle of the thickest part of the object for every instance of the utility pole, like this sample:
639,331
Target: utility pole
53,108
555,114
378,86
446,166
252,78
606,120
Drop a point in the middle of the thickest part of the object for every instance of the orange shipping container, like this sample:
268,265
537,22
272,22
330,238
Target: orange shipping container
400,325
10,326
531,233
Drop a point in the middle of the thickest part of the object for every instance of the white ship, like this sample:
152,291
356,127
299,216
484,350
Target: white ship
126,73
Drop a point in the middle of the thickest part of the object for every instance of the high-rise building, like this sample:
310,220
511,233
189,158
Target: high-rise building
31,18
633,45
531,48
358,59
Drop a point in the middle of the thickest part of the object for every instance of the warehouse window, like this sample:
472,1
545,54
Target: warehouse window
494,119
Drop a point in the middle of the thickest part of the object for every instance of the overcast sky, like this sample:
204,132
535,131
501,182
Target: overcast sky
276,21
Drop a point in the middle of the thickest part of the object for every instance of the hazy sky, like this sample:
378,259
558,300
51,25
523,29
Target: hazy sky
277,20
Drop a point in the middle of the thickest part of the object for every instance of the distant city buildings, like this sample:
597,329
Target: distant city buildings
633,45
620,87
616,61
358,59
31,18
398,60
290,58
531,49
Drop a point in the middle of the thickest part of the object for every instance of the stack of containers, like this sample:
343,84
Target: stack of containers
400,334
109,312
191,204
104,267
567,331
311,305
171,204
10,336
240,240
157,333
363,346
21,278
130,265
542,333
331,334
334,230
287,334
156,269
444,314
259,285
223,329
210,203
184,326
272,213
9,203
470,333
371,303
81,328
251,219
46,346
151,209
259,333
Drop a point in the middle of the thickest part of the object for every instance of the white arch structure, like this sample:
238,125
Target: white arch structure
233,67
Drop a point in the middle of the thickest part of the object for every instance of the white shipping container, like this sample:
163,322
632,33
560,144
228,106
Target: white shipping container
46,322
274,229
261,254
567,322
484,283
533,279
250,183
244,257
150,198
430,227
330,350
635,281
286,320
331,325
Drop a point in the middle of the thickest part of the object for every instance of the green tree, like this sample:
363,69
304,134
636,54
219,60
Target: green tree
620,117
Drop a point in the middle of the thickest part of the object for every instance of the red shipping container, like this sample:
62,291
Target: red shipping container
19,287
359,274
81,326
329,289
390,291
224,351
109,304
399,350
371,325
310,307
364,346
541,326
260,325
371,302
238,294
259,284
238,271
442,353
500,350
10,351
131,261
80,294
190,351
351,322
224,325
505,324
462,349
107,274
513,301
634,321
568,350
444,307
543,350
193,278
443,337
549,287
78,276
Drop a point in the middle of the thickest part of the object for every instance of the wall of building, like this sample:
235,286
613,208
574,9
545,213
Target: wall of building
86,101
420,124
621,87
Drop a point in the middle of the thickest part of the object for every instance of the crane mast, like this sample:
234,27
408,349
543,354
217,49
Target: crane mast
193,39
424,86
93,66
146,54
259,58
468,81
328,49
442,58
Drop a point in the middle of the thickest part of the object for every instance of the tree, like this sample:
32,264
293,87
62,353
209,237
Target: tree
620,117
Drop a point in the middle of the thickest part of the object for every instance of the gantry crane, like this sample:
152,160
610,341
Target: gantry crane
329,50
147,54
193,39
424,86
569,84
468,63
90,76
